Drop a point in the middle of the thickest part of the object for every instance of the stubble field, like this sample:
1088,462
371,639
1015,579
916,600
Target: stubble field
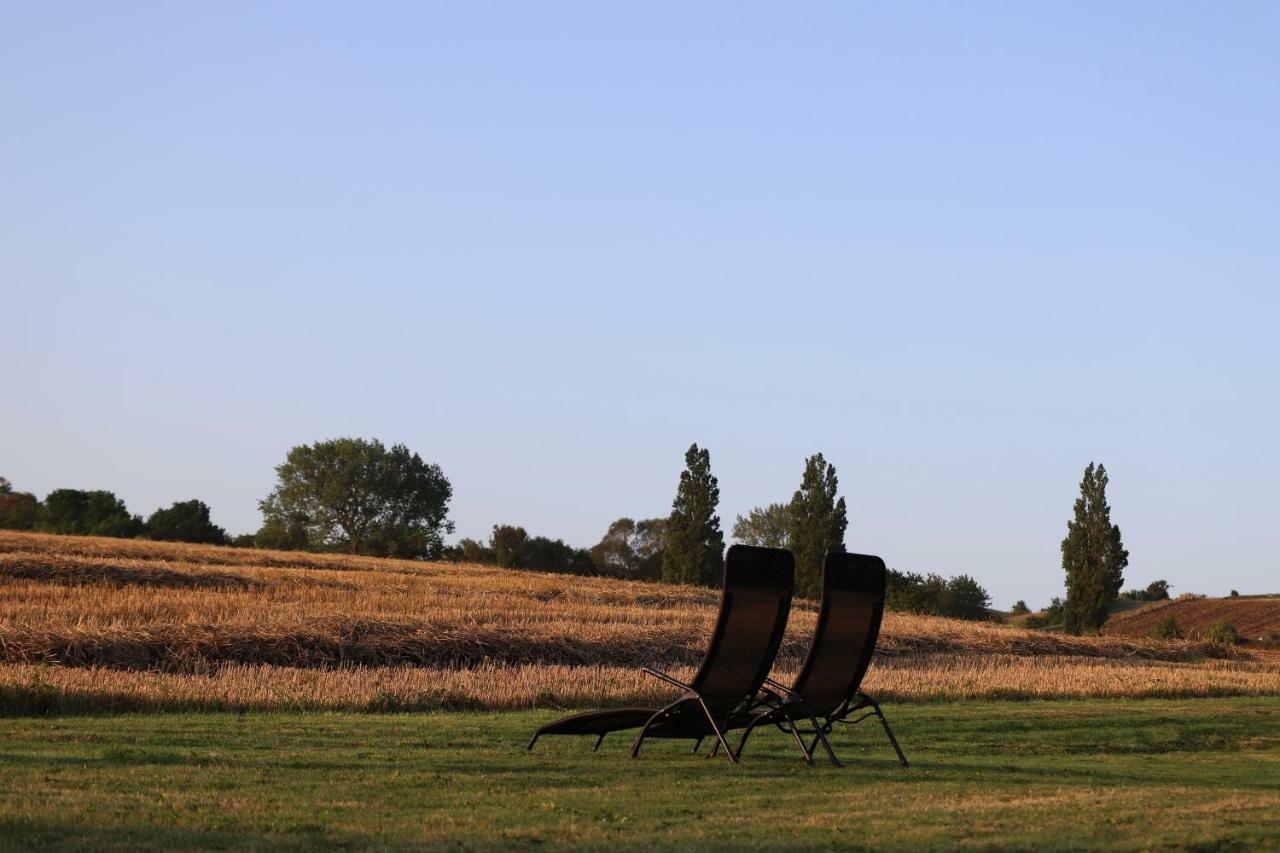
101,624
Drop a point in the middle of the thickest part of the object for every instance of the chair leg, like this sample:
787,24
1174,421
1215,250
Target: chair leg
599,741
807,752
533,740
893,740
635,747
728,752
696,746
820,736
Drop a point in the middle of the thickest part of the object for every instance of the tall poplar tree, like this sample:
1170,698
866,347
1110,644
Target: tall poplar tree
1093,556
695,543
816,523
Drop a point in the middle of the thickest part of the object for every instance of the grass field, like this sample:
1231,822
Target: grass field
297,700
1131,774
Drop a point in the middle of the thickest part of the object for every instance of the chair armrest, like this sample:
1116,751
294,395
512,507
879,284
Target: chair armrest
656,674
781,687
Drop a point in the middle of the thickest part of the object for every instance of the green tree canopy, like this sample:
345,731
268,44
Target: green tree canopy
18,510
960,597
632,549
816,523
1093,556
356,495
185,521
87,513
695,543
764,526
513,548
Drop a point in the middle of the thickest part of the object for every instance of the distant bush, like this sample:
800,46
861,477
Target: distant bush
1190,596
1019,608
960,597
1051,615
1155,591
513,548
632,549
185,521
1235,593
18,510
1166,629
96,513
469,551
1222,632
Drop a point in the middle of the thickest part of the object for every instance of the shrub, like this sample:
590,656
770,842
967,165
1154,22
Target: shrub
1235,593
1166,629
18,510
185,521
1222,632
960,597
1019,608
96,513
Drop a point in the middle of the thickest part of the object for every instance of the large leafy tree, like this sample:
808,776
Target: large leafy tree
1093,556
765,526
816,522
632,549
92,513
357,495
186,521
695,543
18,510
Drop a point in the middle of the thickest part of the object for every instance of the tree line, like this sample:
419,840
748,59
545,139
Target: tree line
101,513
359,496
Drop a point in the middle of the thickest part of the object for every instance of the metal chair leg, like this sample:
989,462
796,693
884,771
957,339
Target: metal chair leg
696,746
893,740
875,706
719,734
820,736
599,741
533,740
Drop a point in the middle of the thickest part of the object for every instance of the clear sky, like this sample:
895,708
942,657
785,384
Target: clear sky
960,248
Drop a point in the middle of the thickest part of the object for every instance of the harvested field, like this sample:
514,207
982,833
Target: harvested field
1257,620
26,689
127,624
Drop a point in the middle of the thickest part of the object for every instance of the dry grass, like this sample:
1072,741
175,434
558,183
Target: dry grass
139,624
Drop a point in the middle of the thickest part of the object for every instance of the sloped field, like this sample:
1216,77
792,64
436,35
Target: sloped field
87,622
1257,620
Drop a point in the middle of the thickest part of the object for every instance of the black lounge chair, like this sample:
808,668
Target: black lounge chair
828,689
758,583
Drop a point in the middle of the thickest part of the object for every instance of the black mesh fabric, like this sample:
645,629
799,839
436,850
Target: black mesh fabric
848,625
753,617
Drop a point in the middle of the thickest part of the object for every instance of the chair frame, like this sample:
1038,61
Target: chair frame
779,715
717,719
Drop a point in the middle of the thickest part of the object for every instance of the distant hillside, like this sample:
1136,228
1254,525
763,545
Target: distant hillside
1256,618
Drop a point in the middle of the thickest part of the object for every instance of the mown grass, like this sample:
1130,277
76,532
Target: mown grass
1125,774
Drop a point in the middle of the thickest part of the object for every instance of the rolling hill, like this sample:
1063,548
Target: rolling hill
1256,618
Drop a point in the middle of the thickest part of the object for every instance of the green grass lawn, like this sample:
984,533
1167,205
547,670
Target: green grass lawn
1194,774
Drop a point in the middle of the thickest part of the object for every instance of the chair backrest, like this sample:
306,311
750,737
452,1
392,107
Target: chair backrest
849,616
754,606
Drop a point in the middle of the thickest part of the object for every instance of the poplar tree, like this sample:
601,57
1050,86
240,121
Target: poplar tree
695,543
816,523
1093,556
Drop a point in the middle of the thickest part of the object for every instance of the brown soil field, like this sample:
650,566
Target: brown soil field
103,623
1257,620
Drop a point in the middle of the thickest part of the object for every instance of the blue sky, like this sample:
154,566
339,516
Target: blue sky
961,249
